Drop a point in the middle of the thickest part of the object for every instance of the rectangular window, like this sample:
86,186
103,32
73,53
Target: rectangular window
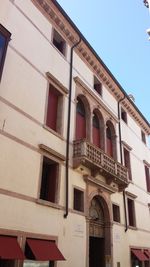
143,137
127,162
147,176
54,109
59,42
131,212
123,115
97,86
49,180
78,200
4,39
116,213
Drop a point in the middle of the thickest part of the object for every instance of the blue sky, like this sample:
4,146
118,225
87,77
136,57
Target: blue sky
117,31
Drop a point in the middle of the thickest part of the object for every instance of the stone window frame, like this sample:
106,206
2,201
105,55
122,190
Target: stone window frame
84,200
126,147
64,52
119,216
101,86
131,197
59,159
147,165
63,92
7,35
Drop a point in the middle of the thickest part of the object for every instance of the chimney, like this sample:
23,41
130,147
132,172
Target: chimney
131,97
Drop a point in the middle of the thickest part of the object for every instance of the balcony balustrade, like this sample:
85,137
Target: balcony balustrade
87,154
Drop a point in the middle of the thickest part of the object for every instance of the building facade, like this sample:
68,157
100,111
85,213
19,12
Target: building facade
74,164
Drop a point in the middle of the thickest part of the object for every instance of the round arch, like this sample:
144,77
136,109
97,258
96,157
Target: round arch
99,230
83,115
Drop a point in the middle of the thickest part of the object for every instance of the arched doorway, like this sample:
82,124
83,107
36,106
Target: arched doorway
99,233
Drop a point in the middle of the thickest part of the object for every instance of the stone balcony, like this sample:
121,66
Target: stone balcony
87,154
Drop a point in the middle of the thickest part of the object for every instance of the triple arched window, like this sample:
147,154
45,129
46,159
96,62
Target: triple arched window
91,126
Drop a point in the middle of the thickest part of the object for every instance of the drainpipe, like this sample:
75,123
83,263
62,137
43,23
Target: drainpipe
68,127
121,159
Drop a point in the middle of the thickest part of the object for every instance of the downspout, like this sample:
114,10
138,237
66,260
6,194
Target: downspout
68,127
121,159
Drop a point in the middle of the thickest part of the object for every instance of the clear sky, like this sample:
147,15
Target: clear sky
117,31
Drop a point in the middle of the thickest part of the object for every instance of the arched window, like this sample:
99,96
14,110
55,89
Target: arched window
80,120
109,145
96,130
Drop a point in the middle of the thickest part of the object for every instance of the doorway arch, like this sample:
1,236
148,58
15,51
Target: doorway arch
99,232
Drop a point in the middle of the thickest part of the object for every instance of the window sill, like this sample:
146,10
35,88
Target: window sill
132,227
53,132
48,203
117,223
78,212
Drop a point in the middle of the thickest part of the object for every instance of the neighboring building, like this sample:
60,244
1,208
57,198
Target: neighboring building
93,209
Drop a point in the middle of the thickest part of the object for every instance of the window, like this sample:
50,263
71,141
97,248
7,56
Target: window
97,86
59,42
4,39
49,180
96,130
123,115
78,203
147,176
143,137
109,144
54,109
131,212
116,213
127,162
80,120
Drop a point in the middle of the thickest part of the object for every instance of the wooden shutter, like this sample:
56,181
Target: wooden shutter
96,131
109,142
52,108
80,121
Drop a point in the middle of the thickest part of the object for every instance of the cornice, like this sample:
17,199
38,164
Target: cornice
56,83
101,185
52,152
62,22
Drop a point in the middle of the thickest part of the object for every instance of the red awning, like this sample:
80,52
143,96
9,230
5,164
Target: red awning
10,249
147,253
44,250
139,254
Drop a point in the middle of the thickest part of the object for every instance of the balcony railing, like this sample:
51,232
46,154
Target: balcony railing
94,158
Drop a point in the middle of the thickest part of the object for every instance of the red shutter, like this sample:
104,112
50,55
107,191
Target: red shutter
52,108
109,147
80,126
96,136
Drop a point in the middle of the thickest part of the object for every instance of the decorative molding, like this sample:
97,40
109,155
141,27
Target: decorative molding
131,195
126,145
146,163
56,83
52,152
102,186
